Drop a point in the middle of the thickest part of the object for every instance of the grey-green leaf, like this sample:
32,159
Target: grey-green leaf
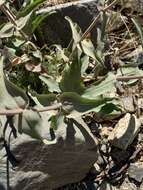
52,84
39,18
71,79
107,84
7,30
10,96
75,105
76,31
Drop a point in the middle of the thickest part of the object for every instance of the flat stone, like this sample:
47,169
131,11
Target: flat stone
119,155
65,160
135,171
125,131
106,186
141,187
127,185
56,30
128,103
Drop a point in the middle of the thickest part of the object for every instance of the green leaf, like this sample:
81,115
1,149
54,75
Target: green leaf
10,96
42,99
23,21
33,124
85,45
76,31
17,93
109,111
30,7
71,78
107,84
7,30
129,70
103,25
75,105
53,86
88,48
39,18
18,42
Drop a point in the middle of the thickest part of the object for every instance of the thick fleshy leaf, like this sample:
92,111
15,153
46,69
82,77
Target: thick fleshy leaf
75,105
76,31
71,79
17,93
129,70
10,95
107,84
7,30
52,84
29,7
109,111
40,18
42,99
104,22
22,21
85,45
6,100
33,124
88,48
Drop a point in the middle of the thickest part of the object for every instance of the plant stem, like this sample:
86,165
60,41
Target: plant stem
126,78
19,110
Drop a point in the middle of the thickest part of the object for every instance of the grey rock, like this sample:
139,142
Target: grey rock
128,103
127,185
67,159
141,187
135,171
91,185
56,30
103,148
119,155
125,131
106,186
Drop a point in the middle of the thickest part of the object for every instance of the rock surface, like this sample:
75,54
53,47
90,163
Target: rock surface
106,186
135,171
127,185
141,187
128,103
55,29
125,131
47,166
